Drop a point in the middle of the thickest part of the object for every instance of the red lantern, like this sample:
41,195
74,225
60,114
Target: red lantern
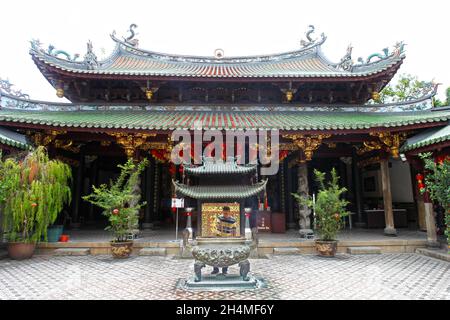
174,210
421,186
440,159
419,177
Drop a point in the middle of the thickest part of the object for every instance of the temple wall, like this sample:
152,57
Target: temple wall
402,189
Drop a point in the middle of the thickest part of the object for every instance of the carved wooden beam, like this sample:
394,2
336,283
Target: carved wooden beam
130,142
307,143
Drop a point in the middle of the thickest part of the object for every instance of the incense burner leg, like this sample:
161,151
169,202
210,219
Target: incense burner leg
244,269
198,265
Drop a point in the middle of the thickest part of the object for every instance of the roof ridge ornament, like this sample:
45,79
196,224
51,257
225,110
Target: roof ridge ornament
310,41
90,59
399,50
6,87
346,63
130,39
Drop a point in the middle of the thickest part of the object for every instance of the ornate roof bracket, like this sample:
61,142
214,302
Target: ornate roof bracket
130,142
44,138
389,142
307,143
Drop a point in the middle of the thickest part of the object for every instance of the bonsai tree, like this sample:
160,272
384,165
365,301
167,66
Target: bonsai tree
119,201
33,191
437,184
329,208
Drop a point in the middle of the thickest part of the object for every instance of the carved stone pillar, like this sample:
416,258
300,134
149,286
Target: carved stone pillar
149,185
93,180
290,201
430,222
304,212
357,187
75,224
387,198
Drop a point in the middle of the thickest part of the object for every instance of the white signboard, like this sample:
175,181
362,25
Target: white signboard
177,203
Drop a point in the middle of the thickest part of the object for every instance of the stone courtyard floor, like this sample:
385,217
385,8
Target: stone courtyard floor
386,276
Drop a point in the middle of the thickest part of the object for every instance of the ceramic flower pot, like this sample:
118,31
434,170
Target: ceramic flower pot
326,248
121,250
21,250
54,232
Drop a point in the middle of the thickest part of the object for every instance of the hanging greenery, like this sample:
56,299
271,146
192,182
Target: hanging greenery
329,208
33,191
119,200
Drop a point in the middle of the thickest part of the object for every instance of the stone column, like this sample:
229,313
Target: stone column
77,196
304,212
430,221
290,200
149,183
357,189
93,180
387,198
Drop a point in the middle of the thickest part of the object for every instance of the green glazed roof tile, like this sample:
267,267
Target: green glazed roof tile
169,120
219,192
427,138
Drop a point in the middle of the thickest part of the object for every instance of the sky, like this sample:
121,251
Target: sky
238,27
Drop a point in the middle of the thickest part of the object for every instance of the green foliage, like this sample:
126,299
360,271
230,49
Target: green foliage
407,87
119,201
329,207
33,191
437,182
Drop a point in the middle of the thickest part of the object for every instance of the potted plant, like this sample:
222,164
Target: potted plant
120,203
35,190
437,184
329,211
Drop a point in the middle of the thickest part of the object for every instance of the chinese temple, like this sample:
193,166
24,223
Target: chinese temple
127,106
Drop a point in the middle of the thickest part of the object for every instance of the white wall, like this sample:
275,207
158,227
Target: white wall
401,185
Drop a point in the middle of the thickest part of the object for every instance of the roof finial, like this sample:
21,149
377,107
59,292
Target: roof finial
90,59
310,41
346,63
130,39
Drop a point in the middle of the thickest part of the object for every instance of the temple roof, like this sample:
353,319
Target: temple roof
223,120
427,138
307,62
220,192
13,139
211,167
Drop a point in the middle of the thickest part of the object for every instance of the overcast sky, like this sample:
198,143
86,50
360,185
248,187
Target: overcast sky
238,27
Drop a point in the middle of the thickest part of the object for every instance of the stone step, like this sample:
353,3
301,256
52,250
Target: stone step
72,252
434,253
364,250
285,251
153,252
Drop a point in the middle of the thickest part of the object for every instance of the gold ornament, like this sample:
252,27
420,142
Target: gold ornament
60,93
375,96
308,144
149,94
289,95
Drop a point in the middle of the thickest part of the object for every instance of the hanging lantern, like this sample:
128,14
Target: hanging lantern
419,177
149,94
289,95
60,92
440,159
376,96
174,210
